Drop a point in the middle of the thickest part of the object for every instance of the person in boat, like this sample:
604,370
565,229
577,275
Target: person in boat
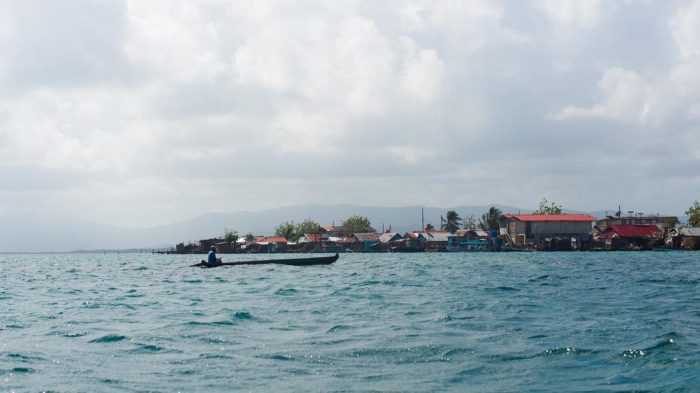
211,258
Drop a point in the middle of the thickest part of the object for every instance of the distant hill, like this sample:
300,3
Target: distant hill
42,233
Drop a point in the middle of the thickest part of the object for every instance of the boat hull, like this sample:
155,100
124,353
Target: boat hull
289,261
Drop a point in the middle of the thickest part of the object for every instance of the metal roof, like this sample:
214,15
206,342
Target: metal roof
630,230
267,240
370,236
551,217
691,232
387,237
435,236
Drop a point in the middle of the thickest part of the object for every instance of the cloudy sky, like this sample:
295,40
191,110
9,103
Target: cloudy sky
146,112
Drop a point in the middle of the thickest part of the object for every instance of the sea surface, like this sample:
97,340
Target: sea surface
491,322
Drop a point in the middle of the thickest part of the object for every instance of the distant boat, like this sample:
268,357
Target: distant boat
287,261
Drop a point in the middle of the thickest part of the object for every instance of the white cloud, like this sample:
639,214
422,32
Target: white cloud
580,14
217,101
652,98
90,129
422,73
623,97
685,28
174,40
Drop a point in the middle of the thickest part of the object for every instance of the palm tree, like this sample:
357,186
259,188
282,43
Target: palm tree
489,220
452,221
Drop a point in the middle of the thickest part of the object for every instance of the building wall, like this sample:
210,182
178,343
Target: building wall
560,227
544,228
645,220
690,243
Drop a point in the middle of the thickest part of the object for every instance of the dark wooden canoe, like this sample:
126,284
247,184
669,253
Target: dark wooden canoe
289,261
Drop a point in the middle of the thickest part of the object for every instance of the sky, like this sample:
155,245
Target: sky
140,113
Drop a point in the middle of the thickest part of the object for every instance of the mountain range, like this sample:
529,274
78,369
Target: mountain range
57,233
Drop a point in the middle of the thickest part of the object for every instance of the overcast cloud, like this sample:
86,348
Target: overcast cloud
146,112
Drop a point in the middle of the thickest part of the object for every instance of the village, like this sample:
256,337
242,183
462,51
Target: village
546,229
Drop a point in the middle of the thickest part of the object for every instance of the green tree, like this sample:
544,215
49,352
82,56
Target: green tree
671,222
693,214
429,227
230,236
249,238
357,224
452,222
489,220
470,223
287,230
546,208
308,226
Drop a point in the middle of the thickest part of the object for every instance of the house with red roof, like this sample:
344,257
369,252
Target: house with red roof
313,238
631,236
544,229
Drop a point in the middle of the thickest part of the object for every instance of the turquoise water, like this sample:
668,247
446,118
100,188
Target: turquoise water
376,322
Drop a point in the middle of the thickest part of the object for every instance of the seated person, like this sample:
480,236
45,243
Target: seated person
211,258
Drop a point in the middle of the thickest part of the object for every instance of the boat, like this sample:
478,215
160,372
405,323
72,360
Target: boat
287,261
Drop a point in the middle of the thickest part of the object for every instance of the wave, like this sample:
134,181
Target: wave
286,292
24,358
11,326
243,315
556,351
338,328
283,357
213,323
666,343
146,348
19,370
75,334
110,338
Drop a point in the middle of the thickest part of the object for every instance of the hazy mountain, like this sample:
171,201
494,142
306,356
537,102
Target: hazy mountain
41,233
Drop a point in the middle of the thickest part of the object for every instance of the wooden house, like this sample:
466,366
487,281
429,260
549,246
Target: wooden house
690,238
548,231
390,237
268,245
631,237
664,222
433,241
365,241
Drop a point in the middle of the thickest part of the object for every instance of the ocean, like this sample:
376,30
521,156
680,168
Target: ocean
479,322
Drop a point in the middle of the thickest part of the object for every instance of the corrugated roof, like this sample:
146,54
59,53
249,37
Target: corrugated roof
268,240
551,217
693,232
387,237
364,237
435,236
475,232
313,237
630,230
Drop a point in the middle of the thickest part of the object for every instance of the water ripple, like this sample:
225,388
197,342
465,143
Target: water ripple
110,338
384,322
